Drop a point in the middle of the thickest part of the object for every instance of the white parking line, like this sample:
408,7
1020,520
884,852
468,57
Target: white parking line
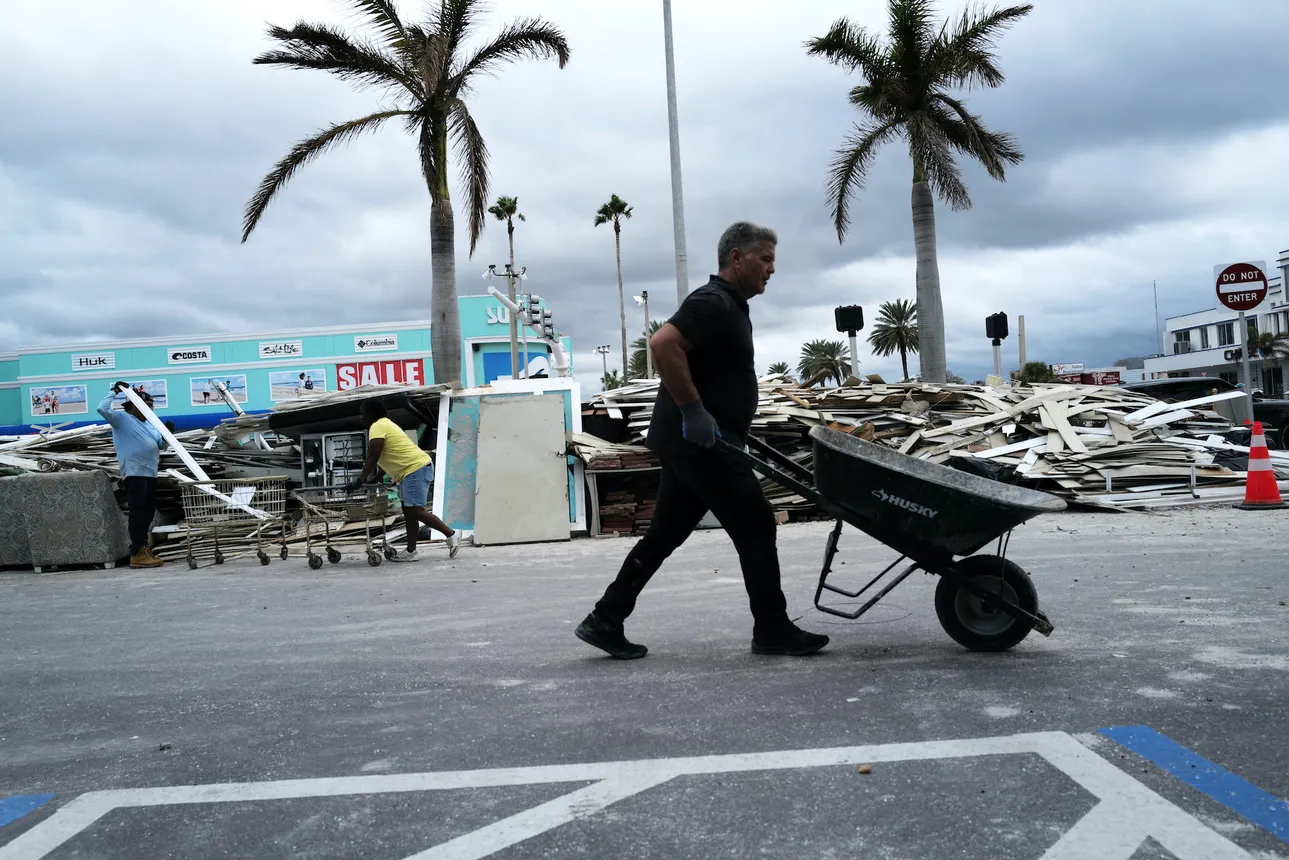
1128,812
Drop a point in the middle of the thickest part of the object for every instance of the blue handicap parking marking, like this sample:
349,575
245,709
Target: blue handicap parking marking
13,808
1265,810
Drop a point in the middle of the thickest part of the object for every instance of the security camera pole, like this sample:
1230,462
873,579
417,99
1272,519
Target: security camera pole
850,319
643,299
996,328
604,358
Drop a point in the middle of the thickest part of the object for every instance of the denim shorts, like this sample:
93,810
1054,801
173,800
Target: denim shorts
414,490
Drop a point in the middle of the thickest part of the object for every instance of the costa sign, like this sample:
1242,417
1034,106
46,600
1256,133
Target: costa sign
408,371
1241,286
188,354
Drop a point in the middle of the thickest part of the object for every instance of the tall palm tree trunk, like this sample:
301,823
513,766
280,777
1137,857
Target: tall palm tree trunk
622,303
904,360
930,309
511,294
445,316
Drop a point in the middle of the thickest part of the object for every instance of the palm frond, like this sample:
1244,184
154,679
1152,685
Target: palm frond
433,157
301,154
526,38
319,46
613,211
965,57
933,160
453,20
473,153
849,169
850,47
964,130
383,17
911,35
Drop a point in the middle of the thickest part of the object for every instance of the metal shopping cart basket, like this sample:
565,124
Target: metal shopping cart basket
241,509
330,509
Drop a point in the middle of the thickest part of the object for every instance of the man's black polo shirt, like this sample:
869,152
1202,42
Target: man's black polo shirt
714,320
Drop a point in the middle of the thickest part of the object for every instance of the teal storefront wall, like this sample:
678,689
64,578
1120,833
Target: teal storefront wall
334,357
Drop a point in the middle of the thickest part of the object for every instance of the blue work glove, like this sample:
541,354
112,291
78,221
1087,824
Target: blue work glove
697,424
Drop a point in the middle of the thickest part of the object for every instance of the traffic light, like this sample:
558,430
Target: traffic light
548,324
534,310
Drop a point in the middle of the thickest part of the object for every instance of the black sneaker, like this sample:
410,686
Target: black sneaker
790,640
608,638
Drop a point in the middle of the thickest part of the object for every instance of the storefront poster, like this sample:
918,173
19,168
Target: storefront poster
289,384
204,392
154,387
60,400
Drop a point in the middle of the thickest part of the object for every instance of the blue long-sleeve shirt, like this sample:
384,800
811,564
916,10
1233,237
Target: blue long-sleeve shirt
138,444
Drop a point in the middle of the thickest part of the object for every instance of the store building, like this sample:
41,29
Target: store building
1208,343
62,385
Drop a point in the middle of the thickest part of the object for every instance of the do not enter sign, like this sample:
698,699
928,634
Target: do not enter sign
1241,286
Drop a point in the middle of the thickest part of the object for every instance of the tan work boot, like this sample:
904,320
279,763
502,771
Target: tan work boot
145,558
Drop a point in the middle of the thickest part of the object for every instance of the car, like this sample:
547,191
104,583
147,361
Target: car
1273,413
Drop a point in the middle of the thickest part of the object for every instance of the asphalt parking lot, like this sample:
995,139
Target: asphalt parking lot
444,709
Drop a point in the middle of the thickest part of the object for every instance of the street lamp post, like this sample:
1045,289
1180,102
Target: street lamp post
604,361
673,128
643,299
511,276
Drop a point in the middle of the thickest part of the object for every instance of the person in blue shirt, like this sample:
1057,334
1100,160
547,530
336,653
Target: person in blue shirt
138,451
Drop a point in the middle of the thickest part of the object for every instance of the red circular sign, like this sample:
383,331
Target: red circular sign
1241,286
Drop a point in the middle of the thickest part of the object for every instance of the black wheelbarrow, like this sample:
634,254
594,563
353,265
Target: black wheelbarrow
934,516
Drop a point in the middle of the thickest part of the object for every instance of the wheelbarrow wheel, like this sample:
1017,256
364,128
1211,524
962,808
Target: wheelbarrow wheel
315,561
192,563
391,553
374,559
970,621
283,553
333,555
264,558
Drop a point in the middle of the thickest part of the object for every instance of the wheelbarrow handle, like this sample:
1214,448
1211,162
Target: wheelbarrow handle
781,476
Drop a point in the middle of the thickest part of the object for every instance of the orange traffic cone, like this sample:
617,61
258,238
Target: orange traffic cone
1260,490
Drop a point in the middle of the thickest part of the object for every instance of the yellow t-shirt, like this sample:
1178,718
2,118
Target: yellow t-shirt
400,457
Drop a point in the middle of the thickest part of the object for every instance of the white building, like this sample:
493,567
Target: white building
1207,343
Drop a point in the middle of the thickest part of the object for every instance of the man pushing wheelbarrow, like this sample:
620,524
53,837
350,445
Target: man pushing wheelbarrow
705,357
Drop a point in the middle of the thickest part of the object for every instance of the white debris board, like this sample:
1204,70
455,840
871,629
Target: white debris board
521,485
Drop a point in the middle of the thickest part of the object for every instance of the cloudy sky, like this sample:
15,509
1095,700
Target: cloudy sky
1156,135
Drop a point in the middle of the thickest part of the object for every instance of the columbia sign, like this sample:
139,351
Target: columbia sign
912,507
375,343
188,355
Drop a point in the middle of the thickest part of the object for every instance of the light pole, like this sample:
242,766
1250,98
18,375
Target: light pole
677,194
643,299
511,276
996,329
604,361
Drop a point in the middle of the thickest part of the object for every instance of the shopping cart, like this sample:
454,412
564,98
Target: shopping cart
248,508
335,507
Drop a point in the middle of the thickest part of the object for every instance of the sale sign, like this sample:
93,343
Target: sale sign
407,371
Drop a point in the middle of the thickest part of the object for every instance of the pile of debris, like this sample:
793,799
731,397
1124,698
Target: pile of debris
1096,446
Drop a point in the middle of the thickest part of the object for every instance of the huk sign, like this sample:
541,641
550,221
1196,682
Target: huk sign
94,361
408,371
1241,286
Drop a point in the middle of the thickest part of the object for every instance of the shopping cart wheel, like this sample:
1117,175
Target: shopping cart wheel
192,563
373,558
333,555
219,558
315,561
391,553
264,557
283,553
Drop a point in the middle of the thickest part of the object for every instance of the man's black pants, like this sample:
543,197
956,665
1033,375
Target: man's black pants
141,498
690,486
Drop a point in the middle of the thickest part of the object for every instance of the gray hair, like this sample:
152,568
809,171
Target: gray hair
745,236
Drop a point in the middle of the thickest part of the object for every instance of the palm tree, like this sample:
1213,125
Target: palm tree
826,359
896,330
610,380
507,209
639,367
905,94
426,72
612,213
781,368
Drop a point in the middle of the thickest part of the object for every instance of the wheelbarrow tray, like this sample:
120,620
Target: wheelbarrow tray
917,507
